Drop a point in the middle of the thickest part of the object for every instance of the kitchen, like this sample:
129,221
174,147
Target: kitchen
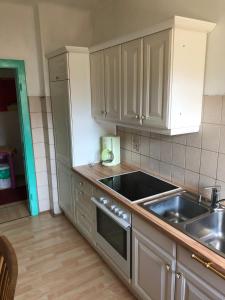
135,154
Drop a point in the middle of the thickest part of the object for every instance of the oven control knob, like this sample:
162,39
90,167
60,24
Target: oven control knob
124,216
120,213
104,201
101,199
116,209
112,207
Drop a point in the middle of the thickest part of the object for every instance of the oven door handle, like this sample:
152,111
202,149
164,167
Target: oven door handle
125,225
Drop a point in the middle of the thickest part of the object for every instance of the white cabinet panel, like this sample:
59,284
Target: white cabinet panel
64,179
112,80
131,81
97,85
152,269
156,79
61,120
195,281
58,67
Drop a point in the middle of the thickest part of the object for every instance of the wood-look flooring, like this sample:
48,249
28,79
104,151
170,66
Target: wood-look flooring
13,211
55,262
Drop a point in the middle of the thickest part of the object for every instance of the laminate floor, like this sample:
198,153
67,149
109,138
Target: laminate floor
55,262
13,211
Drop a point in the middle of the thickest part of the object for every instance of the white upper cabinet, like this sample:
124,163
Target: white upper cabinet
58,67
131,82
97,85
157,48
162,77
112,76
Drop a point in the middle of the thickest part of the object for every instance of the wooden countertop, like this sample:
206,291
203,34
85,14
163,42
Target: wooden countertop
93,173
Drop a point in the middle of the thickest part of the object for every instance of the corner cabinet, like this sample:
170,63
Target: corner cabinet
162,77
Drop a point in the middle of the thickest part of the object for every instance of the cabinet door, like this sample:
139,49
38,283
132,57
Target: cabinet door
58,67
192,287
97,85
152,276
194,281
61,120
64,178
112,65
131,81
156,79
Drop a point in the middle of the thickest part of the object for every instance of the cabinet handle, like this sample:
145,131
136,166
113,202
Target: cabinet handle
57,77
137,117
168,267
178,275
143,117
208,265
81,183
102,112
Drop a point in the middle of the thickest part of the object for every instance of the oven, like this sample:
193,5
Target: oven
113,233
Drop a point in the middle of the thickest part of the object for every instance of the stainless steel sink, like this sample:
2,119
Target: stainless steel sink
178,208
210,230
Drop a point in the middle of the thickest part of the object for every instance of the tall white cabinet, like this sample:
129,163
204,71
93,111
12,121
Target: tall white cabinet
76,133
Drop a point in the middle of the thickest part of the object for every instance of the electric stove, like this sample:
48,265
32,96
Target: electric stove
138,185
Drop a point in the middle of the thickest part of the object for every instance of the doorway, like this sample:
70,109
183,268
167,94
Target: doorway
18,191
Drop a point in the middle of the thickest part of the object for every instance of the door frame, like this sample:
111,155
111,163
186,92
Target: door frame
25,126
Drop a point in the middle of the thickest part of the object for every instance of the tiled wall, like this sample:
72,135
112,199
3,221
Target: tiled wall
44,152
193,160
50,153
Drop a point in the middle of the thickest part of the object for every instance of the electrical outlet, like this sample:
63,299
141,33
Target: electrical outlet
136,143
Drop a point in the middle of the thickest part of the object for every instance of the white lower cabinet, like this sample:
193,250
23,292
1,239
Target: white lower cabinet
84,208
153,263
64,178
196,282
163,270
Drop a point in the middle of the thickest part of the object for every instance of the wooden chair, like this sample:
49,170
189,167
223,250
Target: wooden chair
8,270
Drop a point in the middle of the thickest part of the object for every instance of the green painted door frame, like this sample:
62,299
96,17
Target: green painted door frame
24,116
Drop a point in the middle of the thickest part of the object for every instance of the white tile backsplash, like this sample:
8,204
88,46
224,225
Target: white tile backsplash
165,170
212,107
193,160
210,137
166,151
145,146
221,167
178,175
178,154
155,149
209,163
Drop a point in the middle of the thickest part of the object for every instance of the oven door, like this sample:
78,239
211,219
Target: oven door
113,237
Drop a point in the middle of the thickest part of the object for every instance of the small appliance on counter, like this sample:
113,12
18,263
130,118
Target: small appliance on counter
110,150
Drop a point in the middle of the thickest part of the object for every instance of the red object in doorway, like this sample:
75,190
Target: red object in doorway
7,93
8,196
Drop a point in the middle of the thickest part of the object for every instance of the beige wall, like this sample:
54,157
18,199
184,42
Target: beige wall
29,30
18,40
114,18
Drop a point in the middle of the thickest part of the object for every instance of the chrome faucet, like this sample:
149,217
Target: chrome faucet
215,196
